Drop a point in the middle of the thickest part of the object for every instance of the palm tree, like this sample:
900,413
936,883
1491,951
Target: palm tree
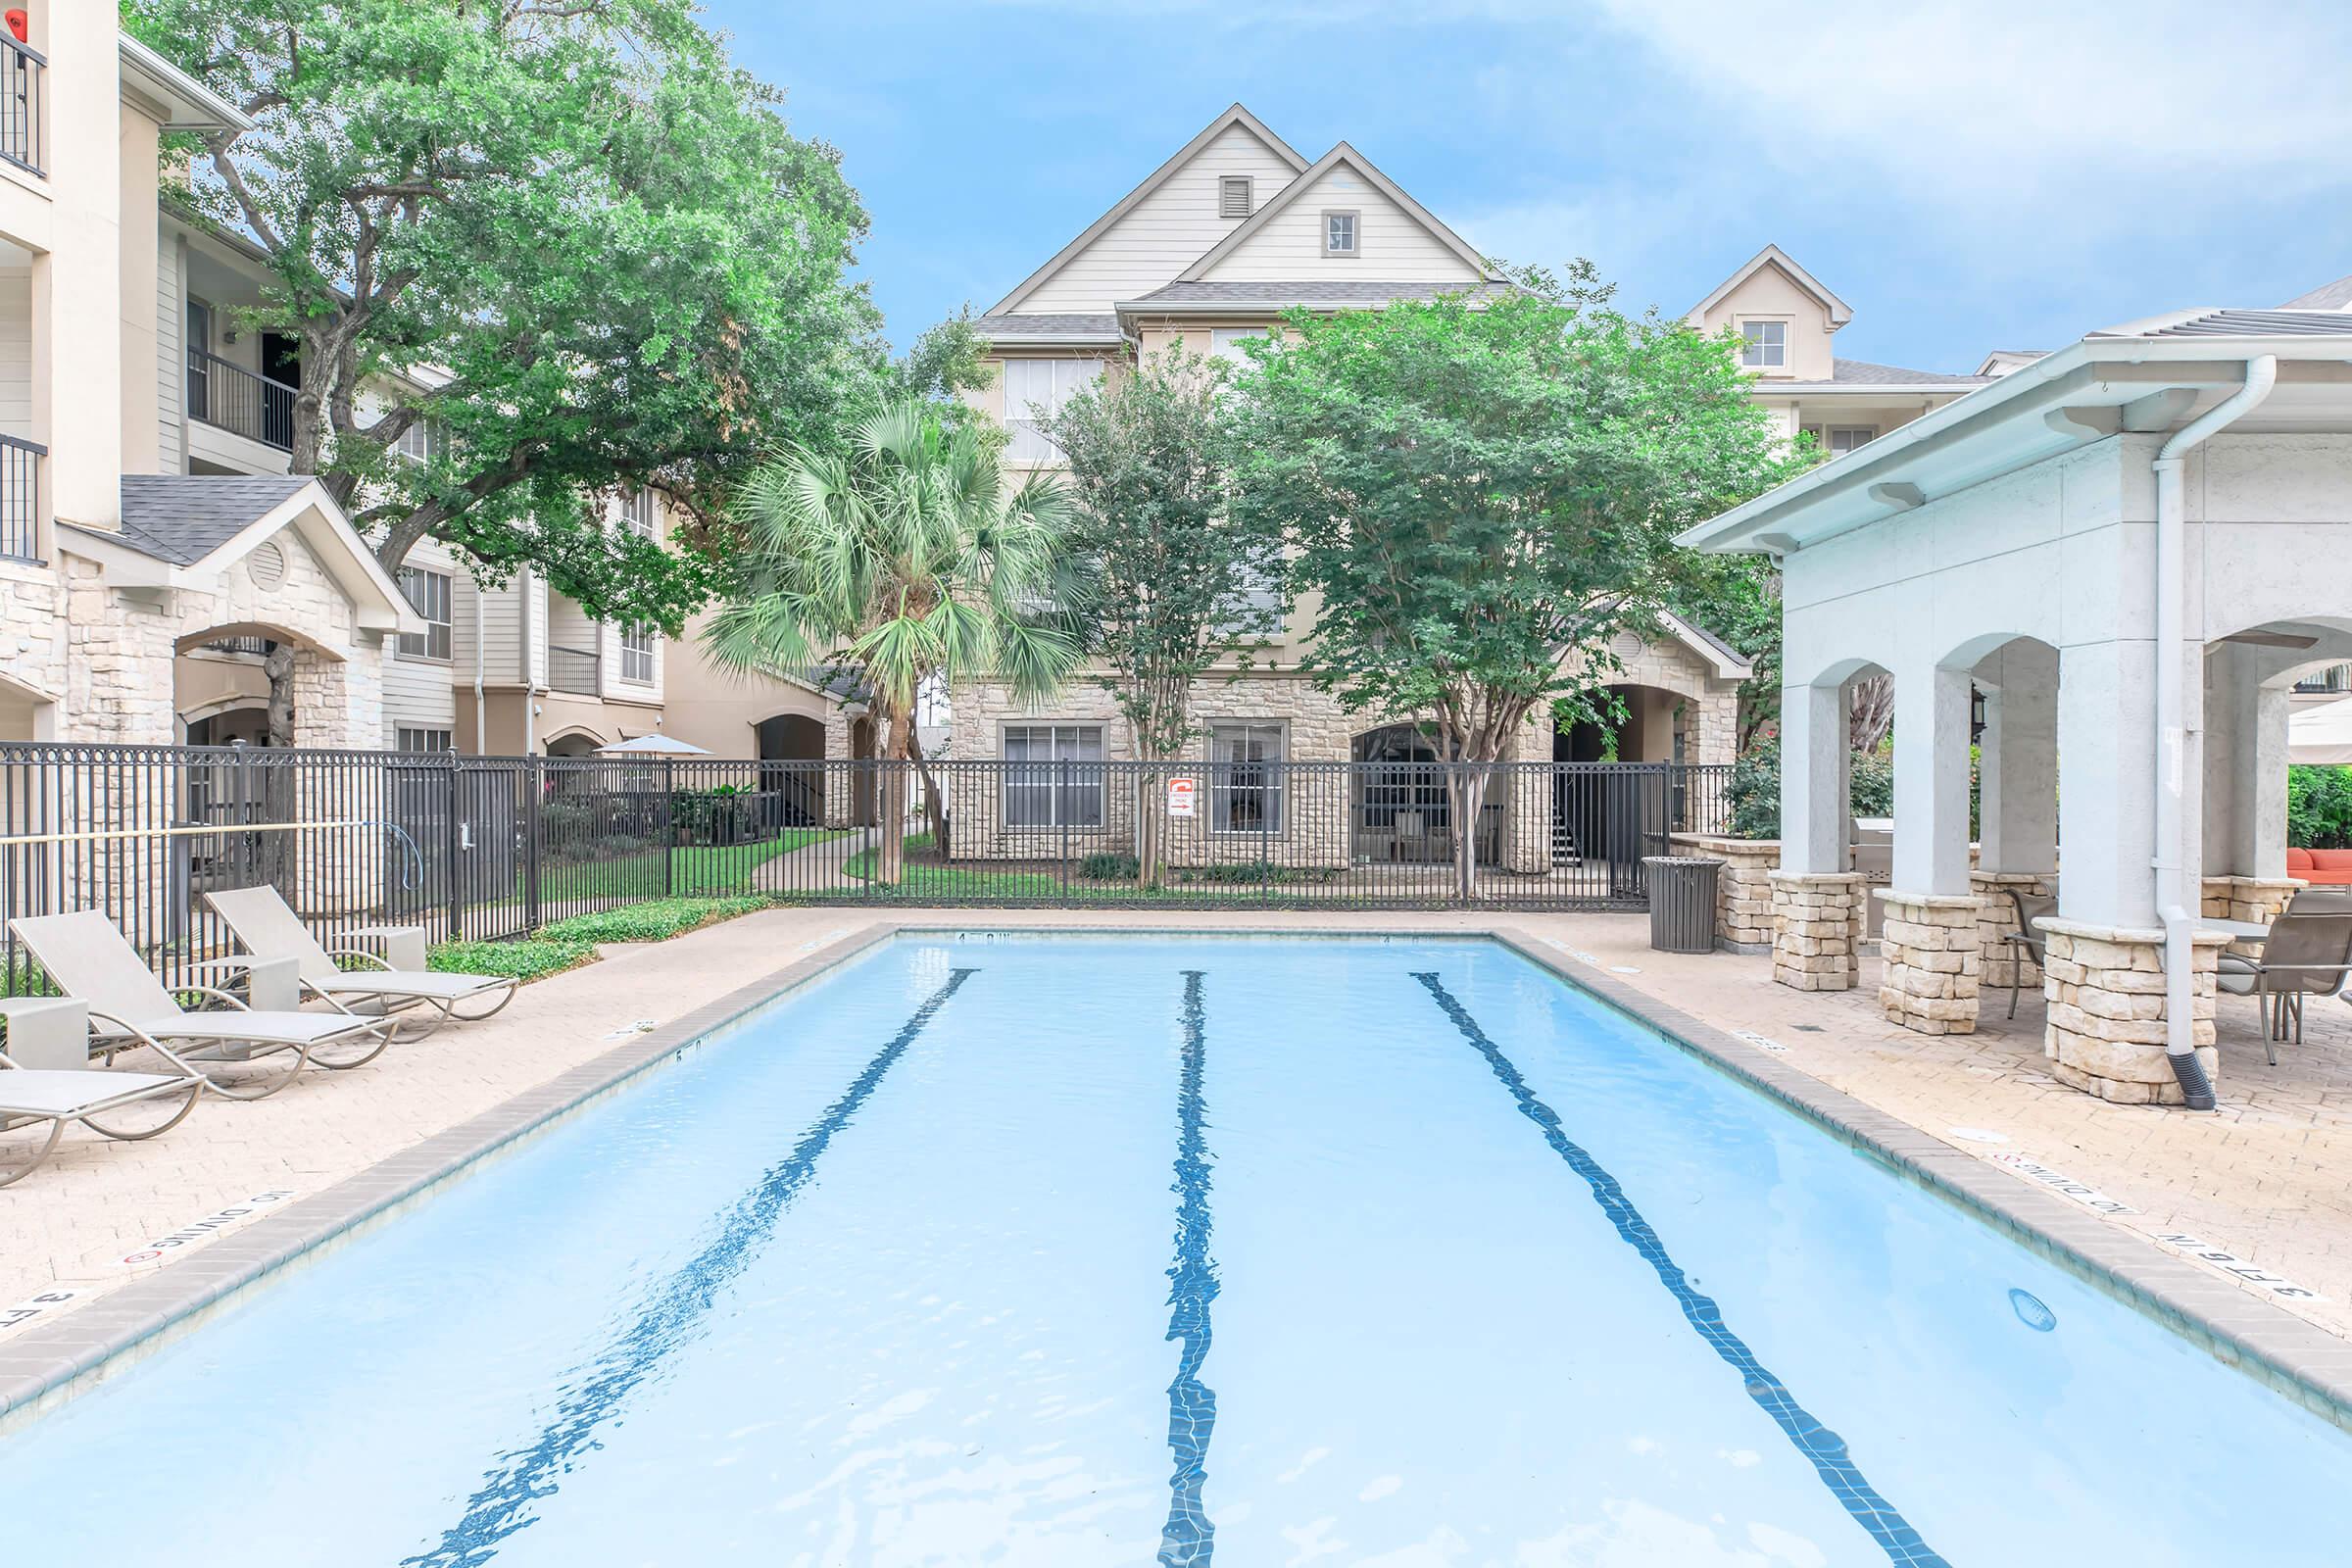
909,557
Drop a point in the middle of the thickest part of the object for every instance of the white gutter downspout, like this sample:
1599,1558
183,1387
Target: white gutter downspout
2171,859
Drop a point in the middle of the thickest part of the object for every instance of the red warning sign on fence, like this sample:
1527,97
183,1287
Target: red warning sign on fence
1181,793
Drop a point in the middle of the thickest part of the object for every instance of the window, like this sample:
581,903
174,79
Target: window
1058,782
1225,342
1245,782
1034,391
1233,196
637,654
428,592
422,441
1843,438
637,513
1339,234
425,740
1764,345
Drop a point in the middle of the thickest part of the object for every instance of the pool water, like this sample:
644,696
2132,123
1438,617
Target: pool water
1095,1251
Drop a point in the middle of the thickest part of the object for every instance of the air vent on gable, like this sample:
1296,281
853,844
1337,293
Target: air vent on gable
1233,196
267,565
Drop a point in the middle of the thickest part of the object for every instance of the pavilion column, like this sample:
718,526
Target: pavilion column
1931,952
2104,981
2017,766
2245,790
1815,895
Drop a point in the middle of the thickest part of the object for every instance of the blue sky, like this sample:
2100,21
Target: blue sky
1994,174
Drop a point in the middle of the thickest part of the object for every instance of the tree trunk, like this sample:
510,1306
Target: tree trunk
1466,786
1871,713
891,870
935,809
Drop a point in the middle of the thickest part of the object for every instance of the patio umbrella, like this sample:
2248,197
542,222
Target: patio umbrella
651,745
2321,734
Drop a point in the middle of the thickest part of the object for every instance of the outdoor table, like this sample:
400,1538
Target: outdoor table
2239,930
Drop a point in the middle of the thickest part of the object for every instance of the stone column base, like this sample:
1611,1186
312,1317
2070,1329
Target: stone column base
2105,1033
2248,898
1932,960
1817,929
1998,917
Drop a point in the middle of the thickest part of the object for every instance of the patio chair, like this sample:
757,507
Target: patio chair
2308,952
31,1093
269,929
89,959
2027,944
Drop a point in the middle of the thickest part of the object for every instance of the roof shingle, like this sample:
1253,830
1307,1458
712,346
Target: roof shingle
183,517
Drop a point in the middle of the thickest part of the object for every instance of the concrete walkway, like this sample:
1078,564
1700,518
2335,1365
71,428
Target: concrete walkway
2265,1179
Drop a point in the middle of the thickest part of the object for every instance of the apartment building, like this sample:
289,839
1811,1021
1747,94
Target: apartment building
133,582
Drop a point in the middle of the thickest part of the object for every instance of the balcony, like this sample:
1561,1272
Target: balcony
574,670
21,83
229,396
20,497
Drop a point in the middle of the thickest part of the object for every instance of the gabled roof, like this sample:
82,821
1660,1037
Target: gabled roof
1206,295
1841,313
179,530
1861,377
2335,296
2245,324
1728,661
1338,155
1235,115
1048,329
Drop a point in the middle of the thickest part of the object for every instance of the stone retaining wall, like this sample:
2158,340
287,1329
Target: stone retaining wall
1743,921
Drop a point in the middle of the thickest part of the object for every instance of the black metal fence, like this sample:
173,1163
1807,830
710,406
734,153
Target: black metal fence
234,399
20,497
490,848
22,83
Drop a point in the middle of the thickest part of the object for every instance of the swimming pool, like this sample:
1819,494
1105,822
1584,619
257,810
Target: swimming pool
1193,1250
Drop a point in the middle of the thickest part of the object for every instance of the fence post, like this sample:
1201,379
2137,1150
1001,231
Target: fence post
534,784
669,827
1062,814
452,858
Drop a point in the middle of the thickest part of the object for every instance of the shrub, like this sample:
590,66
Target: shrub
527,959
1109,865
1253,873
653,921
1754,791
2319,807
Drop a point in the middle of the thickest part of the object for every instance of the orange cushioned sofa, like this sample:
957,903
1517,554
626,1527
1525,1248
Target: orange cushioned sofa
2322,869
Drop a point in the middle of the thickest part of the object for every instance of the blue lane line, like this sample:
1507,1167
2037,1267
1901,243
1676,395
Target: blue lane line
662,1325
1190,1541
1817,1443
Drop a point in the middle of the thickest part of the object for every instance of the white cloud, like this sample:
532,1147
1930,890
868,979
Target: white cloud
2000,101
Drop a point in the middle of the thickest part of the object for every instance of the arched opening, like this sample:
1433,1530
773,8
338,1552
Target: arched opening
1403,810
865,801
792,768
575,743
2264,788
24,713
1641,724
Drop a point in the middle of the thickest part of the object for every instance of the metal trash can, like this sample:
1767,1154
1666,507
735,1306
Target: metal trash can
1682,902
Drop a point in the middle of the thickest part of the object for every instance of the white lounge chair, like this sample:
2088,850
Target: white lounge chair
88,958
269,929
34,1090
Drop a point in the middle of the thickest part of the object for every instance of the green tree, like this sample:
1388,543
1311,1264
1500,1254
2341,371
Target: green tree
908,557
570,241
1179,583
1484,496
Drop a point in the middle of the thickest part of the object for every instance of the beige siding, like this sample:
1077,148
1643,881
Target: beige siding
1771,294
1390,244
1164,232
15,344
171,357
419,693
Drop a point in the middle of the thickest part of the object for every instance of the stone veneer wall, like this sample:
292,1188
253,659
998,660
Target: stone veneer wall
1997,918
1817,929
2105,1033
2248,898
1743,921
1932,961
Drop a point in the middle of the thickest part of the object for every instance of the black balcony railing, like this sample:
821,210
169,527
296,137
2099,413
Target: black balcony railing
20,497
233,398
572,669
21,76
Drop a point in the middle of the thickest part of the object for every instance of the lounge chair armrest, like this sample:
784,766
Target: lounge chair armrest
272,985
403,946
214,992
46,1031
368,954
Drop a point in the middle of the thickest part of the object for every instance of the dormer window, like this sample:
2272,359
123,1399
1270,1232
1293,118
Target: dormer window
1339,234
1233,196
1764,345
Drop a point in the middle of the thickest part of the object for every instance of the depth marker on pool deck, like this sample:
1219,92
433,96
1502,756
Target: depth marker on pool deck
524,1476
1823,1448
1190,1541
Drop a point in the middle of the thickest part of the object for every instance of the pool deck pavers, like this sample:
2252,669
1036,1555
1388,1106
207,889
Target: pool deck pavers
2264,1179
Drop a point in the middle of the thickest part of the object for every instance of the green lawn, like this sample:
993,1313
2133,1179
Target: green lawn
925,881
693,869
